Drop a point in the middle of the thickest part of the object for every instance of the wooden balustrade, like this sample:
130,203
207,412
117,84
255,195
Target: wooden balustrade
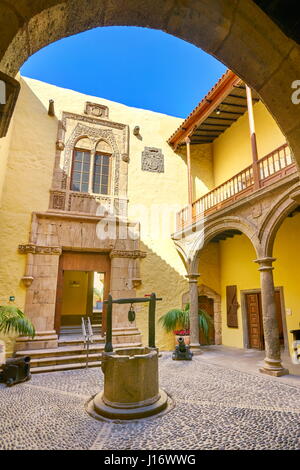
272,167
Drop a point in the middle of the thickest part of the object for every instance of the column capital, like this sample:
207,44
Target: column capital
187,140
265,264
193,277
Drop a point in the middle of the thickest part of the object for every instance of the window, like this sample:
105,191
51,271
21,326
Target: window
81,171
101,173
91,169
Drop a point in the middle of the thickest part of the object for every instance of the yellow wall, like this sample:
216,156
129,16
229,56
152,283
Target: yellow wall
201,168
232,149
74,298
236,268
286,272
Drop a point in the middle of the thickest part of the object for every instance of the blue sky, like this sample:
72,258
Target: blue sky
138,67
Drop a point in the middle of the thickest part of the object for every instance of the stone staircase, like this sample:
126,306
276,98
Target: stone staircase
70,354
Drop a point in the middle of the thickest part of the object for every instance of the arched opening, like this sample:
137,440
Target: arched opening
239,287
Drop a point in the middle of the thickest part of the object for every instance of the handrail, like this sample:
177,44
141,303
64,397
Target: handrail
270,168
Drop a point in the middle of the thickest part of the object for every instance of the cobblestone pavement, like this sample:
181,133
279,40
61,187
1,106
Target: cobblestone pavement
215,408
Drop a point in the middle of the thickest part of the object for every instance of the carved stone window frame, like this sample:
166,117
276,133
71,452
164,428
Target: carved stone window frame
73,127
95,135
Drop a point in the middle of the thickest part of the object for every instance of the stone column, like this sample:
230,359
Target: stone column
272,364
194,321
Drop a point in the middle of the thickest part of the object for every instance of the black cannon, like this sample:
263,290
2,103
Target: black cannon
15,370
182,351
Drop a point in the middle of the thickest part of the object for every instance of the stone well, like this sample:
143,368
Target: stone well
131,386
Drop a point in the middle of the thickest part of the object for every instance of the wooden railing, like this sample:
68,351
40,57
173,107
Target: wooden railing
272,167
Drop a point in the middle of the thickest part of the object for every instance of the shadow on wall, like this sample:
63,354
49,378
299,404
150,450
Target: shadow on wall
159,277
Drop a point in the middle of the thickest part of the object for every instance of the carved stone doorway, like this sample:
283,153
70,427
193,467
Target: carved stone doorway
75,287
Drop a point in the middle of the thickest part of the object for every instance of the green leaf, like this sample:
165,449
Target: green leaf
175,319
13,320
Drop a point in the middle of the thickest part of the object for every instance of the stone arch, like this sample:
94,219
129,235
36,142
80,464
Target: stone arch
83,142
217,227
238,33
211,294
102,145
275,217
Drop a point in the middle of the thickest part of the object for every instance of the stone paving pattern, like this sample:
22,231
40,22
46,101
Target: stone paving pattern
215,408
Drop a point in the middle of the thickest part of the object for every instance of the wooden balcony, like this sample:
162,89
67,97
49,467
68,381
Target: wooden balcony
271,168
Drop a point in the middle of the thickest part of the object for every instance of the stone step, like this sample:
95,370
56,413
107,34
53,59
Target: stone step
60,367
61,351
77,330
59,360
77,341
67,357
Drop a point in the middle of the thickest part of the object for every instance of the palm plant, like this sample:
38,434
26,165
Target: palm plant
13,320
180,319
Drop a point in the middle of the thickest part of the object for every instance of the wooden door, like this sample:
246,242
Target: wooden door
255,322
254,319
89,262
207,304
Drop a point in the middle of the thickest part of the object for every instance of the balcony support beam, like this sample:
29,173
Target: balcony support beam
253,138
189,175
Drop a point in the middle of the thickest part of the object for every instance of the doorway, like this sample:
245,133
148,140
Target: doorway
83,282
253,308
207,304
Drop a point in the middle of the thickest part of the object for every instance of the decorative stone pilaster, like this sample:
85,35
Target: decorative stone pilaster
194,320
41,281
272,364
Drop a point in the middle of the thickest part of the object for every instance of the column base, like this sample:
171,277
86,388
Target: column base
195,348
274,368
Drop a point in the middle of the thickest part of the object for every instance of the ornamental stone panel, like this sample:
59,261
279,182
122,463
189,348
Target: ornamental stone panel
153,160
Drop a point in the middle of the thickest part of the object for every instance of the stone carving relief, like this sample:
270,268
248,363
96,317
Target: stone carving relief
39,250
153,160
97,110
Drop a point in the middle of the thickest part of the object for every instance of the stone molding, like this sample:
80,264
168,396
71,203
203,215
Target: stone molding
265,264
134,254
39,250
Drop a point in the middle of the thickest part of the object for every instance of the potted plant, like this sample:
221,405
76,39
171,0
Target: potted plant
13,320
178,321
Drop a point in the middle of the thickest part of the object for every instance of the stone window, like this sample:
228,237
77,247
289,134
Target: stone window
81,171
101,173
91,167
